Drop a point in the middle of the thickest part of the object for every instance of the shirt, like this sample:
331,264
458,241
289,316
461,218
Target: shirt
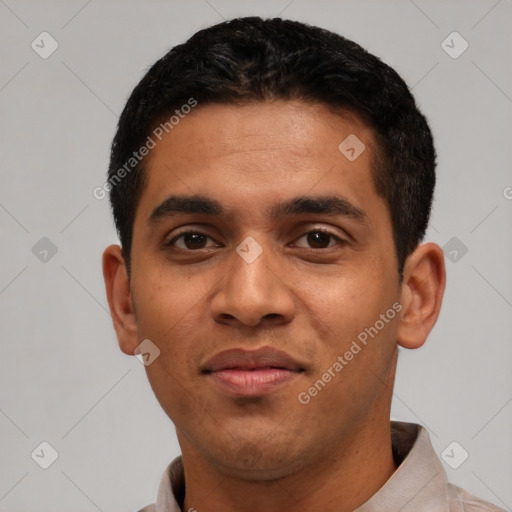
419,483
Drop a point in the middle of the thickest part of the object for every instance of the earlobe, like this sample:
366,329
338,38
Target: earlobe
422,294
119,298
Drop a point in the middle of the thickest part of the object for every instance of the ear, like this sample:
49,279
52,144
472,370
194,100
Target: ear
422,294
119,298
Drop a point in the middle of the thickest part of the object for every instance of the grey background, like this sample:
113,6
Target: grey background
62,377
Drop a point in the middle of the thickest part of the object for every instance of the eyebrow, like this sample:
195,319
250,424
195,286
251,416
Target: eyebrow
196,204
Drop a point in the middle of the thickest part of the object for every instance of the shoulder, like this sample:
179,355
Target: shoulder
463,501
149,508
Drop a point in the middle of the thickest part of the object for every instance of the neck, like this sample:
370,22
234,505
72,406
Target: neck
345,478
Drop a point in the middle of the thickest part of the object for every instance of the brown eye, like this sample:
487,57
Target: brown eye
319,240
190,241
194,240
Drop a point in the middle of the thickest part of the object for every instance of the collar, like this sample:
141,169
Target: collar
419,484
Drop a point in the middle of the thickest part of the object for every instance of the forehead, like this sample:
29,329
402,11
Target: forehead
293,127
262,152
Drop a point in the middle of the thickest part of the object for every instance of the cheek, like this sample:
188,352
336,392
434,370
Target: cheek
346,304
174,373
357,314
170,389
170,320
167,303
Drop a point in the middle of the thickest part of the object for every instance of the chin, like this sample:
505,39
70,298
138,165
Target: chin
257,461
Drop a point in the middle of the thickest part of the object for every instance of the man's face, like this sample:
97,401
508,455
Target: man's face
313,276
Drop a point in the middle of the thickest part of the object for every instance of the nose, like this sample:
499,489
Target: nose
253,292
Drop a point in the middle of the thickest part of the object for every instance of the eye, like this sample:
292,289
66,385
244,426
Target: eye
320,239
194,240
190,240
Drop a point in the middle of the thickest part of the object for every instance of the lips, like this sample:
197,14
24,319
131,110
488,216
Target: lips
251,360
254,373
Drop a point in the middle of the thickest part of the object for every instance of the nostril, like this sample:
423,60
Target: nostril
226,316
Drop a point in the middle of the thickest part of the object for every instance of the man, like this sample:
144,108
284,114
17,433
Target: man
271,183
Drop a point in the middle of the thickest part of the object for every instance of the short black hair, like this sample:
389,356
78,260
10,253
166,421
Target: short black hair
250,60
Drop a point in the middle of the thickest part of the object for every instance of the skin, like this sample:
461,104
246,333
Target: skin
306,298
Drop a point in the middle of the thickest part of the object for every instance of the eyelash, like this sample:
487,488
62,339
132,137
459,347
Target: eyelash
339,241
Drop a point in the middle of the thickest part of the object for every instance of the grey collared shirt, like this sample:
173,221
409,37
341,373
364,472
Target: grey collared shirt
418,485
